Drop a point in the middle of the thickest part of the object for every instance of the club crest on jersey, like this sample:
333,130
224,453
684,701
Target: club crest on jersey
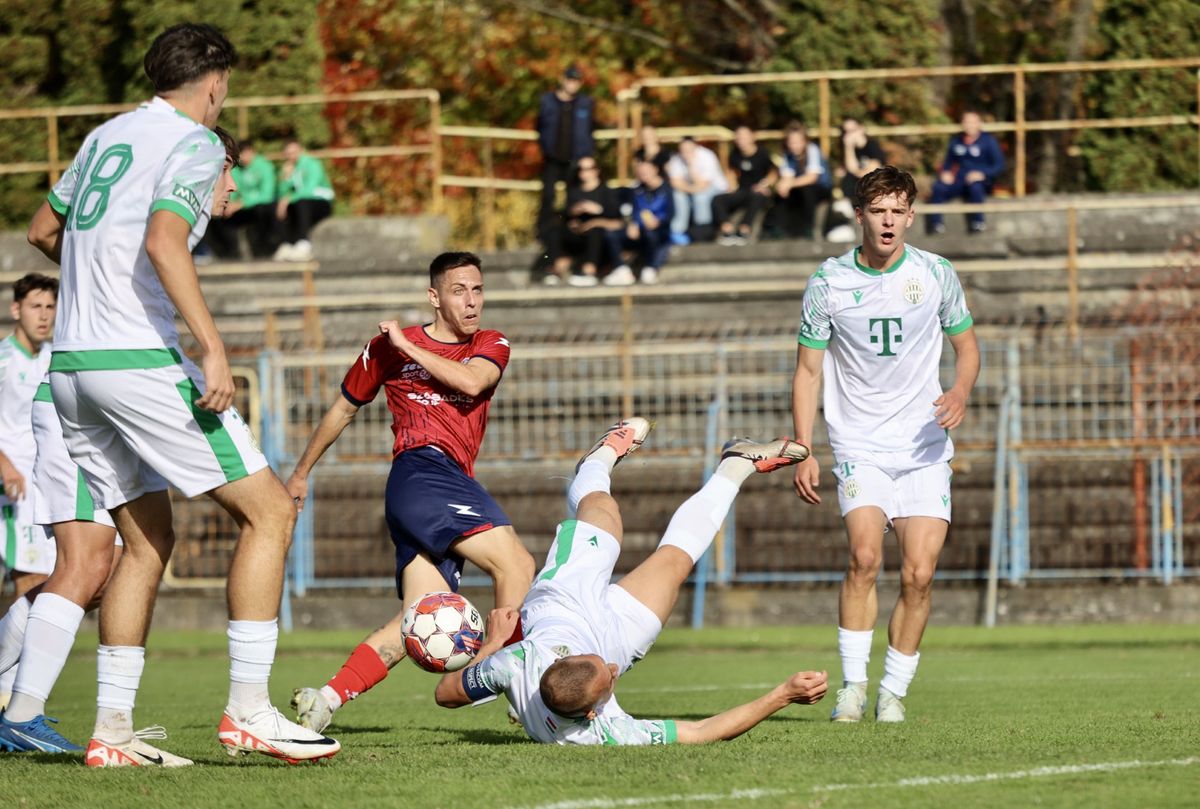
914,291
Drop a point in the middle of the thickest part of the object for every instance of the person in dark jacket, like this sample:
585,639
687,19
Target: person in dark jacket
972,163
565,123
649,229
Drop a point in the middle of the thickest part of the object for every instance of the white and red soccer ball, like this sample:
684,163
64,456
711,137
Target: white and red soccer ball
442,632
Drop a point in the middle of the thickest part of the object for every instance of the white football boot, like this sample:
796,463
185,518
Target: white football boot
766,455
851,703
267,731
135,752
888,707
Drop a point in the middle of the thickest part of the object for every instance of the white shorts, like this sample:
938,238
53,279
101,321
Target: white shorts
61,494
24,546
572,598
923,491
122,424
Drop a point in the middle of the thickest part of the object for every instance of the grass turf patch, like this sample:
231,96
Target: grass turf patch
1074,716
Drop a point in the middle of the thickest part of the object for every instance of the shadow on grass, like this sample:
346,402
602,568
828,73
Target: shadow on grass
482,735
351,730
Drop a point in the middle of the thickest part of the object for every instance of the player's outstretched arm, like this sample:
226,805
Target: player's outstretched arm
451,693
335,420
471,378
806,387
802,688
46,230
952,405
167,249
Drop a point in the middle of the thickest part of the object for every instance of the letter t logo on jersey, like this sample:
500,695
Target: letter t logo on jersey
886,335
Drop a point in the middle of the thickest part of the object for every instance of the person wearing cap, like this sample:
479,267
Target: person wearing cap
565,123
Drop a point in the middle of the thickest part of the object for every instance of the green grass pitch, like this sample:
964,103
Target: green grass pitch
1017,716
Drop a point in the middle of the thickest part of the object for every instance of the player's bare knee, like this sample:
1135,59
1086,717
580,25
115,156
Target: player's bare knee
273,516
865,562
916,580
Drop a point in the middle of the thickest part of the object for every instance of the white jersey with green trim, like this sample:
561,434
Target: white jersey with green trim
20,374
151,159
517,671
882,336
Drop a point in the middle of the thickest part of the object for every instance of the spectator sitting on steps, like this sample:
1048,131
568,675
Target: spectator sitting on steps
305,198
972,163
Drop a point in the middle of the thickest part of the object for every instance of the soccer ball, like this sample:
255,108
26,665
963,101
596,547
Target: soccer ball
442,632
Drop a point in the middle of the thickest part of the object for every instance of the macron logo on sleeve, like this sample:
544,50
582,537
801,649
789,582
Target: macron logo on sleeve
366,355
504,342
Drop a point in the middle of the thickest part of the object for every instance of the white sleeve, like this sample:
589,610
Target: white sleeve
187,179
953,312
60,196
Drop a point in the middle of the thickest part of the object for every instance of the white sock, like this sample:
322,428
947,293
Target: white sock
118,674
332,697
12,635
855,648
695,522
593,476
898,671
251,654
53,623
7,679
735,469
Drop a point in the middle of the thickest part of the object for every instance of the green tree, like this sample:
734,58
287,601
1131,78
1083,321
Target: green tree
1142,159
83,52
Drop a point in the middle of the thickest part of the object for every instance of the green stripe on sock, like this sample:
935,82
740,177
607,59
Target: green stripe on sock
564,541
218,437
85,507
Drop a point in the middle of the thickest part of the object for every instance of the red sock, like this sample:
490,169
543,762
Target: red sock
362,671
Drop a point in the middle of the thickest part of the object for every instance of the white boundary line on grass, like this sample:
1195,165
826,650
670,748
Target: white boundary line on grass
924,781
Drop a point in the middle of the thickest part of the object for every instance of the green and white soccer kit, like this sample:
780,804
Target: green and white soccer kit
881,331
25,546
62,494
123,390
572,609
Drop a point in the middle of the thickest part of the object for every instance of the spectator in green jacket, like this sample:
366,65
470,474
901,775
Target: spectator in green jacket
252,206
305,198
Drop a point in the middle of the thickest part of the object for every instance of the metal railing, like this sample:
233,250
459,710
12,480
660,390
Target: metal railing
631,104
1046,405
631,114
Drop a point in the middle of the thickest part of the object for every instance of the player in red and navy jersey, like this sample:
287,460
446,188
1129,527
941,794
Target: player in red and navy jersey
438,380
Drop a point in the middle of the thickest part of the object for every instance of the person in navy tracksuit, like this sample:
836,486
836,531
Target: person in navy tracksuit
972,163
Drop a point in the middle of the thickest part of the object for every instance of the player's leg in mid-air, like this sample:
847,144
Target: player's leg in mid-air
438,517
655,583
657,580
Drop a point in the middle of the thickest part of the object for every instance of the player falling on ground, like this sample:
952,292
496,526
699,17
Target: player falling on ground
88,547
123,219
875,318
439,380
582,633
26,555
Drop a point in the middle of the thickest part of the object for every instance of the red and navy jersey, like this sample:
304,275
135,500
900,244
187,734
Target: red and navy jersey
424,411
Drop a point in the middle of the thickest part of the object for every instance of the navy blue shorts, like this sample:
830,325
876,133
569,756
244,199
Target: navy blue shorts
430,503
